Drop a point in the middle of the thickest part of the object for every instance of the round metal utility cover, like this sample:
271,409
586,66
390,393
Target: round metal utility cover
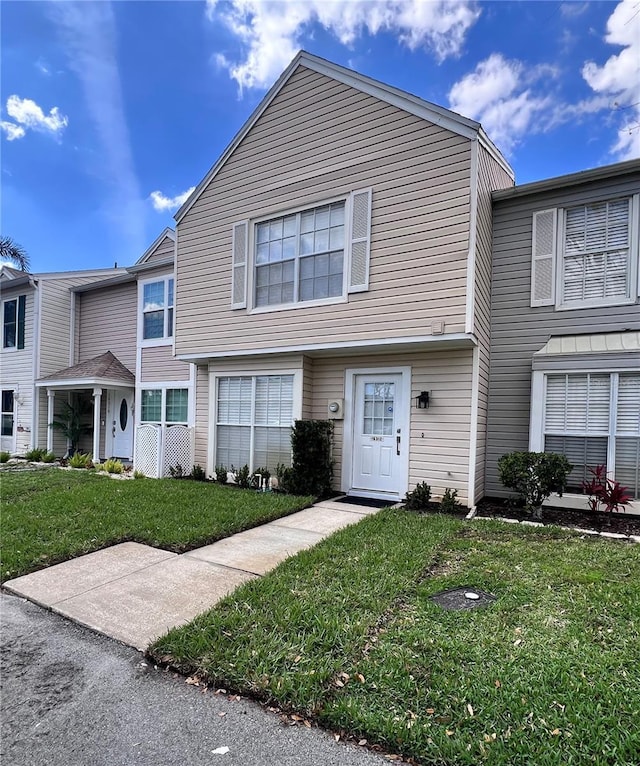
465,597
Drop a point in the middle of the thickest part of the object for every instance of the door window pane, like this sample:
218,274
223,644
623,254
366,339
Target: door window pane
378,409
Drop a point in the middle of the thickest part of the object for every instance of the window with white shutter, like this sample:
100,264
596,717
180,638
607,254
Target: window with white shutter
304,257
543,258
594,419
597,265
254,419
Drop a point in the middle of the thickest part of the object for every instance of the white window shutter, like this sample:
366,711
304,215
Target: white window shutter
543,258
239,278
358,273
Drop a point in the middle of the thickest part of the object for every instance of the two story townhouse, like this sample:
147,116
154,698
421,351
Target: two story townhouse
123,366
565,324
35,313
335,263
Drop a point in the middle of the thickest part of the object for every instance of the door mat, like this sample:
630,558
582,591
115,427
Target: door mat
368,502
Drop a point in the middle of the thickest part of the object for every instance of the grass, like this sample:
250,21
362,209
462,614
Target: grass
346,634
50,515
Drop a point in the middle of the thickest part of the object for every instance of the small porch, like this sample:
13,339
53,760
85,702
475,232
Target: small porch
103,388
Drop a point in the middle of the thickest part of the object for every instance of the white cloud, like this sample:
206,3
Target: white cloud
499,93
12,130
162,203
617,79
28,115
270,31
88,32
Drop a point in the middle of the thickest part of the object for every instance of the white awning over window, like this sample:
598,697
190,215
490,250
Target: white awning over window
610,350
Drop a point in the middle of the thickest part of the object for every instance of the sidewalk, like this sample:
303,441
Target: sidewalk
135,593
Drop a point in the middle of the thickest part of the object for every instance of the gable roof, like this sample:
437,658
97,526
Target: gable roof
144,262
433,113
105,369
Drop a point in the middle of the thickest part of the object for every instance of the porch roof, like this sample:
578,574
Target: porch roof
104,371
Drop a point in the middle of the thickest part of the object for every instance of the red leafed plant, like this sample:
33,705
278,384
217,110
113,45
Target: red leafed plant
604,494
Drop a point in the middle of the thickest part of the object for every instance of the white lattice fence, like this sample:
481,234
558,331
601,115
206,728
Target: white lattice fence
178,449
146,458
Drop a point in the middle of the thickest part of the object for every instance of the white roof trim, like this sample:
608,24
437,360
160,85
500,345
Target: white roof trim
137,268
168,232
71,383
412,104
601,343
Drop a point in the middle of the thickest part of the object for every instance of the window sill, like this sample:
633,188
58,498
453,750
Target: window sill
299,305
151,342
594,304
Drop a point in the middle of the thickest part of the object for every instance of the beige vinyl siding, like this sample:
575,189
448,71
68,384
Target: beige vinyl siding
320,139
164,250
55,322
491,176
16,372
108,322
159,364
307,389
160,272
518,330
202,416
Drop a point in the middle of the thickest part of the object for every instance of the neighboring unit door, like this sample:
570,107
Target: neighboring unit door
120,423
8,429
379,462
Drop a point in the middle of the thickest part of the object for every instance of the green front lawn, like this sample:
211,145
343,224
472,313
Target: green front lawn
346,634
52,515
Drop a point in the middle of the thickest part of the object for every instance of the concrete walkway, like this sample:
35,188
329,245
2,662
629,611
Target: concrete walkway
135,593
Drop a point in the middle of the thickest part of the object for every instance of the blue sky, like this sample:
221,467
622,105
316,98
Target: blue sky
113,111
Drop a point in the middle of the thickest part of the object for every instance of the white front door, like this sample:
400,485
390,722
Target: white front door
379,462
120,424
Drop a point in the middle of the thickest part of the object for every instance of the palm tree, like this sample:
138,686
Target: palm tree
12,251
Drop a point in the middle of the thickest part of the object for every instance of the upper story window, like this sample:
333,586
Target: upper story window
13,320
300,257
312,255
586,255
596,253
157,309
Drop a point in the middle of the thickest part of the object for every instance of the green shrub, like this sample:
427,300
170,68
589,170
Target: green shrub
80,460
48,457
311,463
419,498
221,472
449,502
35,455
113,466
283,475
242,477
534,476
176,471
4,456
198,473
138,475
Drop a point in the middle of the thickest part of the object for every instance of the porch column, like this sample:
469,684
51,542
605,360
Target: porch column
50,410
97,398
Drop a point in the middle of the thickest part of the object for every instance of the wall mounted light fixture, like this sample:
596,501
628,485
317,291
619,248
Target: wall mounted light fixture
422,400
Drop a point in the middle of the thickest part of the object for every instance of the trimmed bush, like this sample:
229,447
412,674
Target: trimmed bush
534,476
113,466
80,460
4,457
311,464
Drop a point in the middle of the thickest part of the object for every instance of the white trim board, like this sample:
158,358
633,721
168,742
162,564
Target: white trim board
385,345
